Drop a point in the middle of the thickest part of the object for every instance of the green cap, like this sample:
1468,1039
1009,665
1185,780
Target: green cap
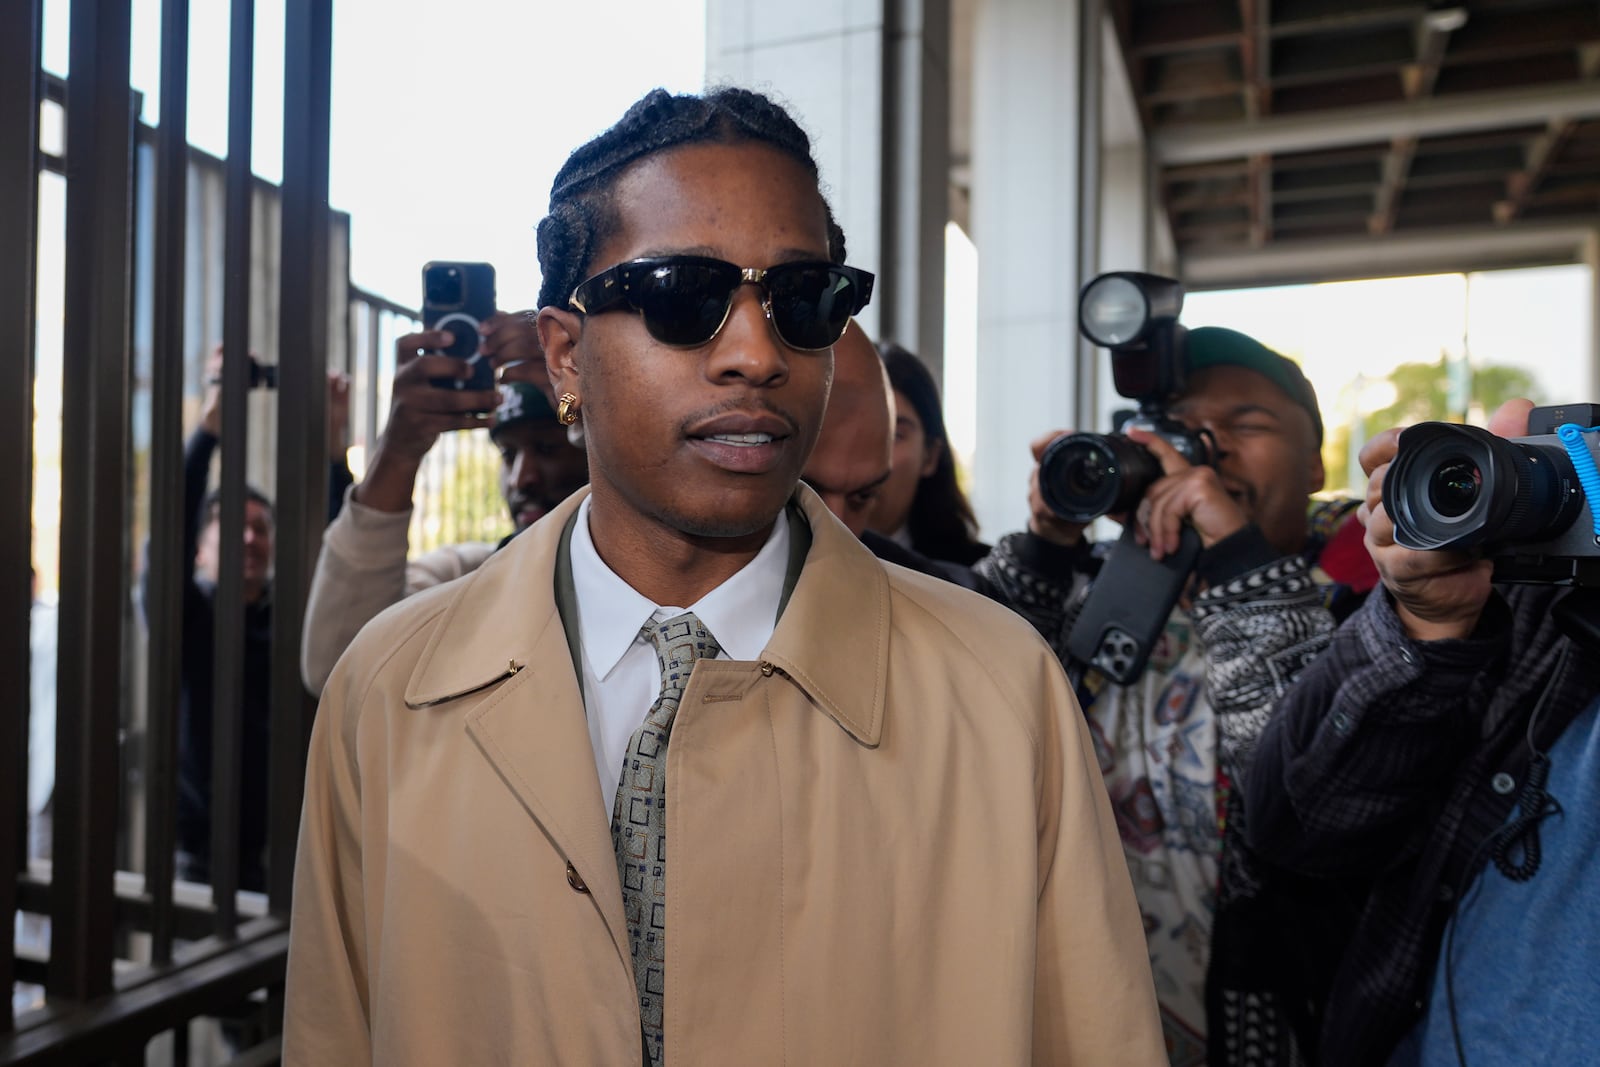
521,402
1217,346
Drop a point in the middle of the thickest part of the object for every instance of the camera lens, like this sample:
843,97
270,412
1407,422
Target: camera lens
1459,487
1086,479
1453,489
444,286
1086,475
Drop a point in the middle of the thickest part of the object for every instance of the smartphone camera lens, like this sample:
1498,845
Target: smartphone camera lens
445,287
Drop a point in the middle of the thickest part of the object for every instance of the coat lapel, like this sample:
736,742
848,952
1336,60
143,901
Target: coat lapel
502,641
843,667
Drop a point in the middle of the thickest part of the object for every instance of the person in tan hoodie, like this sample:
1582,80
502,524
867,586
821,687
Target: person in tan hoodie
363,564
889,839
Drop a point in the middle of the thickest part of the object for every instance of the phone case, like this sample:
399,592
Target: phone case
1129,604
457,297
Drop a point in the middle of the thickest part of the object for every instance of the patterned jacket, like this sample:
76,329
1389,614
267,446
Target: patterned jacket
1171,744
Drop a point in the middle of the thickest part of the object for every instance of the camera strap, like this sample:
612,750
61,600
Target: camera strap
1571,437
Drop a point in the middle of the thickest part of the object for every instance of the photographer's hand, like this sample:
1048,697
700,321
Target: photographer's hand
338,414
211,402
1184,494
1437,595
419,412
511,341
1042,522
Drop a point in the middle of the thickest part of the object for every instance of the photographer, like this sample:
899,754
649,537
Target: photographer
1444,750
201,556
1274,571
362,568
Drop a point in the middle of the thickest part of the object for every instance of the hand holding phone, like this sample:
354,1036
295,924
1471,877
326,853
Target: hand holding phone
456,299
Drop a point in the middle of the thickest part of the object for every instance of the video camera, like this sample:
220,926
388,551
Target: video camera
1520,501
1086,475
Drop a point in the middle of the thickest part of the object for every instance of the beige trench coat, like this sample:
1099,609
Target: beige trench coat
890,842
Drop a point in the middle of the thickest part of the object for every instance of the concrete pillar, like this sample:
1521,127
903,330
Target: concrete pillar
916,184
869,81
1025,223
1124,244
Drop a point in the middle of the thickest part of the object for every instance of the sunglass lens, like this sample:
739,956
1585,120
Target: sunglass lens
811,304
685,303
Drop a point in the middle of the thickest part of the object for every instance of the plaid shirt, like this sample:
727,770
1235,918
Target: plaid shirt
1376,783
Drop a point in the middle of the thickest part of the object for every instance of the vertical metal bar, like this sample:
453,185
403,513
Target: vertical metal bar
1091,78
302,494
228,692
93,506
163,593
20,25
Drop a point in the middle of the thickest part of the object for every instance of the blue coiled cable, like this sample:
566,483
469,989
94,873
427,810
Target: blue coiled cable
1571,435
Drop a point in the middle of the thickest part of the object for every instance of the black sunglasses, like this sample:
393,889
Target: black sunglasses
686,299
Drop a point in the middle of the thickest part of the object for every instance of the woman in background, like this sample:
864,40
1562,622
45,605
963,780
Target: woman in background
921,505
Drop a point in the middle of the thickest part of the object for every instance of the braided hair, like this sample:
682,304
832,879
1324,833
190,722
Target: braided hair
583,213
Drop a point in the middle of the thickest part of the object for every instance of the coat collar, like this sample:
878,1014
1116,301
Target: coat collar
832,639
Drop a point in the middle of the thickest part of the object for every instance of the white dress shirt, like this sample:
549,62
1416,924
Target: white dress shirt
621,676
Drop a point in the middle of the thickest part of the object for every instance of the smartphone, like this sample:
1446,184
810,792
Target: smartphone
1128,605
456,298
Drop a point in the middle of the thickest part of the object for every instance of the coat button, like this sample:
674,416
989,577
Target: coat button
575,880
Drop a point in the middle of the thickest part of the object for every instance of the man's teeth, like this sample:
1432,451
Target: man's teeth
742,438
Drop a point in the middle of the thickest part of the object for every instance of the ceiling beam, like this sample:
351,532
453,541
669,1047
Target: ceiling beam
1182,28
1420,118
1417,79
1260,201
1293,20
1451,249
1386,202
1522,184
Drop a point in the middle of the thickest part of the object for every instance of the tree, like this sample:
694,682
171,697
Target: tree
1421,394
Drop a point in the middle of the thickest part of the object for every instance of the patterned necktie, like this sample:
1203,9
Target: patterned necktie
639,817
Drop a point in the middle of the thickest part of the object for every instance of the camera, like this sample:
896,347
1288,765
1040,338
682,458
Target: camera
1086,475
1527,503
1083,476
263,375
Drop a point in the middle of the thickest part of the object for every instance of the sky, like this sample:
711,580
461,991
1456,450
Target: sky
449,121
447,130
1535,319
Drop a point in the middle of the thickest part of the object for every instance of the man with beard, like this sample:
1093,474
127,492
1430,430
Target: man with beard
1277,570
362,567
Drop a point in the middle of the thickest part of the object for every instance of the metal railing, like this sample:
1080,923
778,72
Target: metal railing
129,955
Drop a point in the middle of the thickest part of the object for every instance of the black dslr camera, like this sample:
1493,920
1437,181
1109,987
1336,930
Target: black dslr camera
1086,475
1528,503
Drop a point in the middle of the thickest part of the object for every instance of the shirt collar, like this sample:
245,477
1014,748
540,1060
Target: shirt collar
741,613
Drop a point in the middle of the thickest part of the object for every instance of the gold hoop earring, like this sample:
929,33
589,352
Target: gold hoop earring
567,409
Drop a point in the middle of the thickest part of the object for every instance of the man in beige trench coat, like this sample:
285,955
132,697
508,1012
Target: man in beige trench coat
889,839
